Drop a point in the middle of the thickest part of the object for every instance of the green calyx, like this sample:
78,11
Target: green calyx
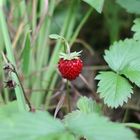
70,56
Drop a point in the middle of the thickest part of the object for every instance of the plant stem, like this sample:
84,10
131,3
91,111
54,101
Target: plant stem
48,96
133,125
26,98
68,96
68,47
125,115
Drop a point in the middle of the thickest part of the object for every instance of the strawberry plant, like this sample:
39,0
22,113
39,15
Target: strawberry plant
41,125
41,71
70,65
123,58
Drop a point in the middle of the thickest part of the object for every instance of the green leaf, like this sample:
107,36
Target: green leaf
95,127
29,126
121,53
63,136
87,105
132,72
123,57
113,88
131,6
8,110
136,29
97,4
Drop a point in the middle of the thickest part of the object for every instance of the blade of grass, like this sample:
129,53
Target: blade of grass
44,45
113,23
10,55
1,77
18,33
5,91
43,52
23,11
86,16
72,20
34,18
26,55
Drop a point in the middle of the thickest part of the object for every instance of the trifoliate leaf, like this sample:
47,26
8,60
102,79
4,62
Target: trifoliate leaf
136,29
95,127
29,126
124,57
97,4
87,105
131,6
121,53
113,88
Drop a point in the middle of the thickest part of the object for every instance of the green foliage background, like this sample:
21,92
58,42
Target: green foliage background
25,27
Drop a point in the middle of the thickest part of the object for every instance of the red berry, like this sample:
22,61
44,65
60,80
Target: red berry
70,69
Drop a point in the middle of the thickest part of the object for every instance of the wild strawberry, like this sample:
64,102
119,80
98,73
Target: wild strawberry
70,65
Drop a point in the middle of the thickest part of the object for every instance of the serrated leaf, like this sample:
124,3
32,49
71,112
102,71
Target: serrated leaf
132,72
136,29
55,36
97,4
121,53
131,6
95,127
123,57
29,126
87,105
113,88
